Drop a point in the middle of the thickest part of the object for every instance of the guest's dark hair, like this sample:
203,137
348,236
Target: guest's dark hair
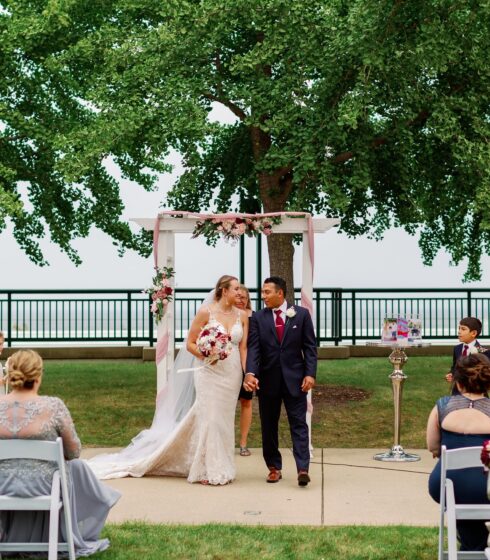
224,282
279,282
472,372
472,323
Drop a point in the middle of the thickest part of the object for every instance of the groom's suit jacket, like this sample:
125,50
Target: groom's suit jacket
289,361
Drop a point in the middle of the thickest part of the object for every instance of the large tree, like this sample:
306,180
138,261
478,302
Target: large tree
376,111
44,188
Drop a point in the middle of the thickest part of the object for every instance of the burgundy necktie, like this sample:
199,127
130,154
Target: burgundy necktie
465,350
279,325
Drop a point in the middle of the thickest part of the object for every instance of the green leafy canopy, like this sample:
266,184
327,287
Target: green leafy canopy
374,111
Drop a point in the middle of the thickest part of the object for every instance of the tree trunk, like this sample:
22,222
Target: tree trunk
274,191
275,188
281,252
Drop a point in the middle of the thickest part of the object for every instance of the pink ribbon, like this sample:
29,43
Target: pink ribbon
162,347
306,302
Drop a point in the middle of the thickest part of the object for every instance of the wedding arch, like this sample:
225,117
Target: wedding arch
170,222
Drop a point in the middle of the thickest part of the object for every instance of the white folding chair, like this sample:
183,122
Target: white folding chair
454,459
54,502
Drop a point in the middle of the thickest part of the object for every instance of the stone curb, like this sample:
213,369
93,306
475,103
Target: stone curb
147,354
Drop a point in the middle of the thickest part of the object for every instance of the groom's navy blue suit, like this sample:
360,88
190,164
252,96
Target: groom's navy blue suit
280,368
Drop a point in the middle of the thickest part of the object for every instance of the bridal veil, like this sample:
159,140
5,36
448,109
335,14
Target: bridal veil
172,405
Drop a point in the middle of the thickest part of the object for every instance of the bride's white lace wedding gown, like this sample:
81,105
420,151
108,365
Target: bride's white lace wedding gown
201,446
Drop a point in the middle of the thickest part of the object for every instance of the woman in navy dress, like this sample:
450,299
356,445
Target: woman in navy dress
463,420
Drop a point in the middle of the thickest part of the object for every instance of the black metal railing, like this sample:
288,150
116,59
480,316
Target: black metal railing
123,316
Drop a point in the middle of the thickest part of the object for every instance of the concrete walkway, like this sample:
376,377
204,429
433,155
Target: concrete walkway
348,488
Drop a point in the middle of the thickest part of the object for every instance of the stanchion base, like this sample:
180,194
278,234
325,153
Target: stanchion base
396,454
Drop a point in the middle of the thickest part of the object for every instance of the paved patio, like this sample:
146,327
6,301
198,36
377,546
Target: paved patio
348,488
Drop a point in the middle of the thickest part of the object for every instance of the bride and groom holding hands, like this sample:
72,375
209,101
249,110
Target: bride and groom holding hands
276,348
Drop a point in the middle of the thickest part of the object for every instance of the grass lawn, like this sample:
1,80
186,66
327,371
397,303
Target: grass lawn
111,401
230,542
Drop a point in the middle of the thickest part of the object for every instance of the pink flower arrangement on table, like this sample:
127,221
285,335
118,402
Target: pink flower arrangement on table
214,344
232,228
161,291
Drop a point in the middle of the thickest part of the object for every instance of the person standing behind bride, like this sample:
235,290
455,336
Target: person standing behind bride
245,397
200,442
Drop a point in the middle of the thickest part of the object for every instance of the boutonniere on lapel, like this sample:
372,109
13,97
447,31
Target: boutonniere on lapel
477,350
290,312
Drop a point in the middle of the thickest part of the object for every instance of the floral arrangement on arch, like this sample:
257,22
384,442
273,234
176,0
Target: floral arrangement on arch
161,291
232,228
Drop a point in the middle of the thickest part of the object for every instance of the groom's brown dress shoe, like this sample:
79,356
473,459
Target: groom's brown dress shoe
303,478
274,475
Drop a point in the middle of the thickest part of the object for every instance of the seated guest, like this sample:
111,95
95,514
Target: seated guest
463,420
24,414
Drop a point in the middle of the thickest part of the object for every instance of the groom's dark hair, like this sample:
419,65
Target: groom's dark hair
279,282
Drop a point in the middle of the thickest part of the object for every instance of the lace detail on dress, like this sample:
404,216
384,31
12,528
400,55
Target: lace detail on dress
236,331
17,421
44,418
447,405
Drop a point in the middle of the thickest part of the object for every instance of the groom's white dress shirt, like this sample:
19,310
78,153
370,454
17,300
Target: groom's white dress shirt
283,308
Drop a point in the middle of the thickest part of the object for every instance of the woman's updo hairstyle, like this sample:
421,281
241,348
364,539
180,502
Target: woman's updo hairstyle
24,368
224,282
473,373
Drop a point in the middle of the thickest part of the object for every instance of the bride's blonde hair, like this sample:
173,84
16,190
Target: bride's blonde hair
24,367
224,282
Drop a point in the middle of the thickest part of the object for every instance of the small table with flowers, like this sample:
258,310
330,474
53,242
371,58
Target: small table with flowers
397,357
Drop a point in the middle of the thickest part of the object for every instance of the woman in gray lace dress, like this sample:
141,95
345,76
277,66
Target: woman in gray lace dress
26,415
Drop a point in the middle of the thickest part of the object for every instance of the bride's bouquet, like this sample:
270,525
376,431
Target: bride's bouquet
214,344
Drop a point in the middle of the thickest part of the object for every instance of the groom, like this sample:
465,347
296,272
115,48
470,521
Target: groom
281,366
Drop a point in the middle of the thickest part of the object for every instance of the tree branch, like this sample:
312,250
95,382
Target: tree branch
220,97
240,113
420,119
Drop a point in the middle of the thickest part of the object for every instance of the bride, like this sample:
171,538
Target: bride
192,440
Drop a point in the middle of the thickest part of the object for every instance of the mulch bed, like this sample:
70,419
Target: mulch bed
338,394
